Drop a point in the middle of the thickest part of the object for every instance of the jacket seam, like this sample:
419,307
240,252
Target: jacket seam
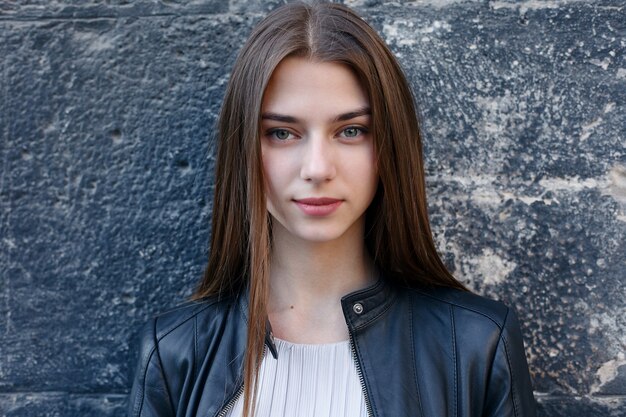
139,406
464,307
243,310
195,347
455,405
167,387
179,324
417,385
508,361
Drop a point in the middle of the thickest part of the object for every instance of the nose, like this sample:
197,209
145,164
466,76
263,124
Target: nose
318,163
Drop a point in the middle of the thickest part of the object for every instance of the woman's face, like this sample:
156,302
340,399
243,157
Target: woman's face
318,153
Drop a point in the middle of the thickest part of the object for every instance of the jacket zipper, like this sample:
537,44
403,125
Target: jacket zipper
368,406
230,404
370,413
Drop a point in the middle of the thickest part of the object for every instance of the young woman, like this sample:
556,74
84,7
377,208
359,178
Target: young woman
324,294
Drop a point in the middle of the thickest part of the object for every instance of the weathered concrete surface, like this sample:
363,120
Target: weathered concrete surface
524,114
58,404
104,190
106,111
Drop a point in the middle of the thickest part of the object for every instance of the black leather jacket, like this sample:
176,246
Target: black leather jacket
429,353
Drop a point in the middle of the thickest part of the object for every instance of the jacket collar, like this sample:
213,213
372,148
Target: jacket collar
243,303
360,308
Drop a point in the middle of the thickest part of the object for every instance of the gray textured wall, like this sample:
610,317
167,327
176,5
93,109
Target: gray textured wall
106,110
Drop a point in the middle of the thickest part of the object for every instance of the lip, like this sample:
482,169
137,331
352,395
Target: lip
318,207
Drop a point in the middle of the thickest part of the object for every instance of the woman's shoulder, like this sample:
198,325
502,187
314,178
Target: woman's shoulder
188,312
170,341
185,318
479,324
462,304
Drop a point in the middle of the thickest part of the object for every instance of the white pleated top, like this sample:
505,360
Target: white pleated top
308,381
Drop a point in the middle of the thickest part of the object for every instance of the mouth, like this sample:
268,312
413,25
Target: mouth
318,207
321,201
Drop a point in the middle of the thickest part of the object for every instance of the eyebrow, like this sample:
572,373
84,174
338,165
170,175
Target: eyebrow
364,111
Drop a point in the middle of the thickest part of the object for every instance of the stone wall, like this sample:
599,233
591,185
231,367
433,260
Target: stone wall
106,153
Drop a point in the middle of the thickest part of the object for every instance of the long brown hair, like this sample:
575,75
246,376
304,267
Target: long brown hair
398,233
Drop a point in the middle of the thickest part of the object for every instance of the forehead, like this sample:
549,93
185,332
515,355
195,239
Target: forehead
300,85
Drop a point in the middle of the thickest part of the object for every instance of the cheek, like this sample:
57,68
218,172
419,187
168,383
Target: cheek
364,166
369,172
273,171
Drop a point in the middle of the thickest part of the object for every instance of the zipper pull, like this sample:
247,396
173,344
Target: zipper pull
269,339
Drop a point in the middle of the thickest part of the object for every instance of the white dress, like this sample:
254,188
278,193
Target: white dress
319,380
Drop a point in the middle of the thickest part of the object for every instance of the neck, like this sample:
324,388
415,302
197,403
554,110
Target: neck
314,270
308,280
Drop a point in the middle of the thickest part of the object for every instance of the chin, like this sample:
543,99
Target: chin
321,239
319,235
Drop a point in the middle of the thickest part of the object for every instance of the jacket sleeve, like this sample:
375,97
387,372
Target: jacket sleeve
510,390
150,396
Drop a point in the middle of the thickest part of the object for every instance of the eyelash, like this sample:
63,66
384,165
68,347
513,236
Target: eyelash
360,131
272,133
